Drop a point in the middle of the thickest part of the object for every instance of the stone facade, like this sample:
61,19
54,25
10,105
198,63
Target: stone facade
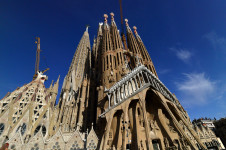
111,99
220,128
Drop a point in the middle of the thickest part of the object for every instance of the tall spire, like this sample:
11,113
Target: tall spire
87,27
132,43
144,53
107,43
80,58
112,19
73,90
105,20
116,39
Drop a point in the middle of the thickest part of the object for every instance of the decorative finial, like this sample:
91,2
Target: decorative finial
87,26
105,18
94,40
92,125
126,20
112,15
135,29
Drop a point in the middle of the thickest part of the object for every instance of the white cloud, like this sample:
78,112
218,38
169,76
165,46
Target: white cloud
218,43
164,71
182,54
195,89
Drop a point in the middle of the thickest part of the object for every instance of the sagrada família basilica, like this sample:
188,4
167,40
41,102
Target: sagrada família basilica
111,99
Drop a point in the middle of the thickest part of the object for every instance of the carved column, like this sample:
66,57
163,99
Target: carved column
125,119
106,134
147,127
174,120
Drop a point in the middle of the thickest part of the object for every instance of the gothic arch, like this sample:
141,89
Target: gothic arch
157,115
116,129
134,121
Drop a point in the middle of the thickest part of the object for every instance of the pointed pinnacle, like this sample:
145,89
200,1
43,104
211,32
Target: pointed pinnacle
105,18
58,79
135,29
87,26
112,15
51,85
126,21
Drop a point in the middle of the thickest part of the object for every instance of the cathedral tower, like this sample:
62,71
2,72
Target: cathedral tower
74,99
113,91
134,108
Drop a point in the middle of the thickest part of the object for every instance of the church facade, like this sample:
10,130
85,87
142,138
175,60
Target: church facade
111,99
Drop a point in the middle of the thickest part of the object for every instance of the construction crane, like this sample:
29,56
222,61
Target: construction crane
38,58
122,26
129,55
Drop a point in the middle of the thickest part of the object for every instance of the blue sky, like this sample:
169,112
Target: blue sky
186,41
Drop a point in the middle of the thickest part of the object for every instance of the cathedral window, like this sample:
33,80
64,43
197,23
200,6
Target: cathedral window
156,144
117,59
23,128
121,56
110,135
43,130
35,147
111,61
56,146
45,116
91,146
2,127
37,129
13,147
74,146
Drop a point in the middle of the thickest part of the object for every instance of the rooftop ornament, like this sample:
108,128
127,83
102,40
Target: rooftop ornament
105,18
135,29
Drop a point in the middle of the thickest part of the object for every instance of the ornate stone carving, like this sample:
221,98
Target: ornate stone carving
169,125
153,125
111,76
166,142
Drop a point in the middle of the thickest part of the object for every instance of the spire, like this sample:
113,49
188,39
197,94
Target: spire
107,43
99,33
116,39
105,21
87,27
56,85
128,29
144,53
82,48
132,43
143,49
112,19
51,85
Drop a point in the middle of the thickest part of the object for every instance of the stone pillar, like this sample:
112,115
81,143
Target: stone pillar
82,106
147,127
106,134
125,119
